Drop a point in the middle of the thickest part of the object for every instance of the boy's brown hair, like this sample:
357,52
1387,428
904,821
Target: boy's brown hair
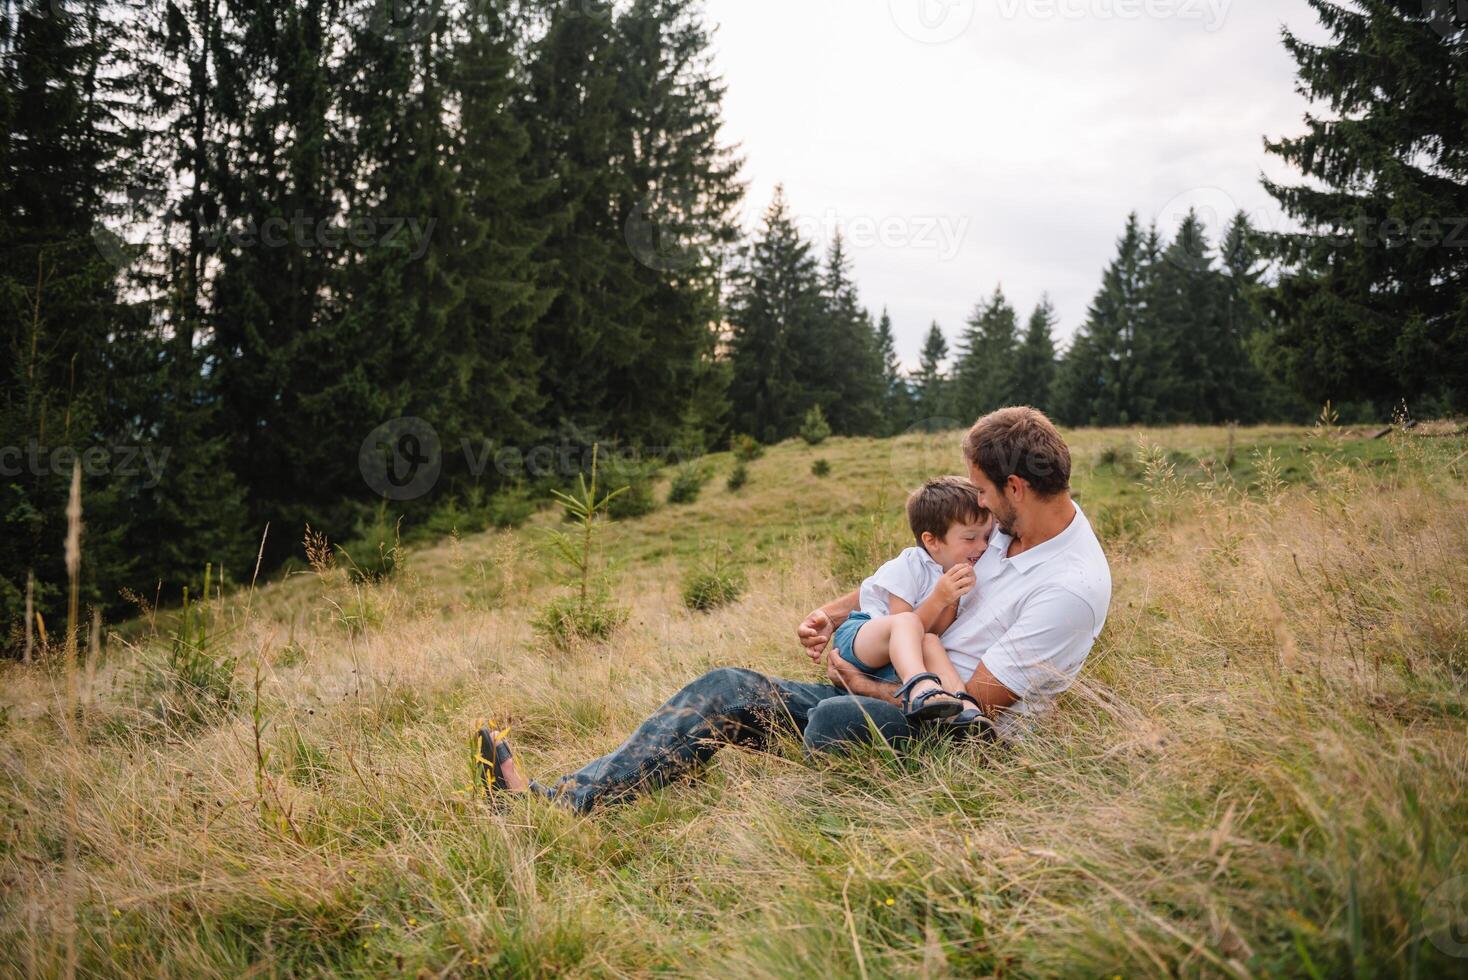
939,504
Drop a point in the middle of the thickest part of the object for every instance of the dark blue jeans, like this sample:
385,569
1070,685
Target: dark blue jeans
727,706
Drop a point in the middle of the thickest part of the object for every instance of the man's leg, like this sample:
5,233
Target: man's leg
838,723
725,706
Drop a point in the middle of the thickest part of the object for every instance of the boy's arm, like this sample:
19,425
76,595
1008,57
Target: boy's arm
935,611
940,608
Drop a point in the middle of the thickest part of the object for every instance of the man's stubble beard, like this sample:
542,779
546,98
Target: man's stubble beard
1005,519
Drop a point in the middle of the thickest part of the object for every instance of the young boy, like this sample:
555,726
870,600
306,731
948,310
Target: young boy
908,603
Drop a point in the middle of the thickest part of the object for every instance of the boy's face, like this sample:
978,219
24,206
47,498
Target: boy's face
964,543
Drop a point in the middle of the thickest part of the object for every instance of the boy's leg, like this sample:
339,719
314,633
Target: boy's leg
895,640
936,661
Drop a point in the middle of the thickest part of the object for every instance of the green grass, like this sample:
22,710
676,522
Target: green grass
1263,771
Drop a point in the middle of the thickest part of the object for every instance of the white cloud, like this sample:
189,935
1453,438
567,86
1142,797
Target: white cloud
1035,129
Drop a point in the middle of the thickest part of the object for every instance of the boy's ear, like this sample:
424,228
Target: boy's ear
929,539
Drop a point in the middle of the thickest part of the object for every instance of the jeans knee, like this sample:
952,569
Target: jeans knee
729,677
730,685
839,723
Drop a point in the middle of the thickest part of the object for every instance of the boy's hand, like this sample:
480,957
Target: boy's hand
956,583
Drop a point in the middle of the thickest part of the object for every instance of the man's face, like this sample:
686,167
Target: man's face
995,499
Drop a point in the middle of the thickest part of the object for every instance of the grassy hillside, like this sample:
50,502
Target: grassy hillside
1263,770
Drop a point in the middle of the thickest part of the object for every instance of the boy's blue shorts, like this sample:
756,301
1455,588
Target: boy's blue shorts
844,640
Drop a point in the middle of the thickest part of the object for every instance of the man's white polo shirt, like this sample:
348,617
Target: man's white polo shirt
1031,619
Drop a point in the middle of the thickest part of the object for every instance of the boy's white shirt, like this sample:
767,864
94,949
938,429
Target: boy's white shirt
911,577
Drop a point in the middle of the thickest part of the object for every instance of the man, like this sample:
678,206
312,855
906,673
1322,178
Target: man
1043,589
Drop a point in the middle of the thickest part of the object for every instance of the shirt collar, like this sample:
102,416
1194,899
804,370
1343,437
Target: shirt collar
1040,553
927,559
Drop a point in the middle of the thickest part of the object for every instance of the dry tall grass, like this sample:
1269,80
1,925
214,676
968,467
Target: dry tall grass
1263,771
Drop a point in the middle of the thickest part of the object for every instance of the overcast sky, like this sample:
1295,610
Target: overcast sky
964,143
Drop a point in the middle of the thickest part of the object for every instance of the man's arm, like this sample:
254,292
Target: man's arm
844,675
1039,655
815,632
991,695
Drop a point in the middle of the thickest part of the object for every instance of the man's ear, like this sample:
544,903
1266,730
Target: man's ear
1015,487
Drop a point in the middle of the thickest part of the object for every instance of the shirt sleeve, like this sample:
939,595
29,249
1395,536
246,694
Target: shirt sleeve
899,577
1043,651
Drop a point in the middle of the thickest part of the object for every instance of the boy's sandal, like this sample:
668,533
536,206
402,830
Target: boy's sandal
929,705
490,755
971,717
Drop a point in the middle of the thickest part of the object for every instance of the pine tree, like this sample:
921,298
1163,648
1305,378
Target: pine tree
1176,355
984,370
1251,391
1034,363
1373,303
850,387
495,252
776,300
76,355
1096,382
930,383
195,513
897,397
592,330
677,220
278,293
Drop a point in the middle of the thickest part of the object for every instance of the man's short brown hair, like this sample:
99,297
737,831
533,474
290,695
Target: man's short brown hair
941,503
1020,442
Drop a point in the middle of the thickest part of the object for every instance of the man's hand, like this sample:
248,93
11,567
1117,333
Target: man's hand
846,677
836,670
814,633
956,583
